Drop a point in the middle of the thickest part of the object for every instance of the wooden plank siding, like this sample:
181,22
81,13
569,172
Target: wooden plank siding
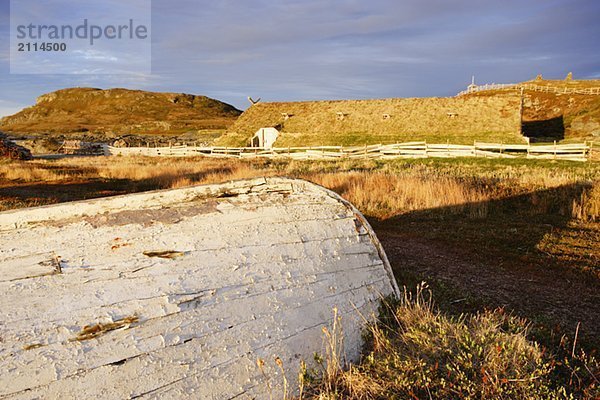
178,293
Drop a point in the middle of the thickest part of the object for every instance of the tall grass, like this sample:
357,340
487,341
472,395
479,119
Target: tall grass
415,352
587,207
379,189
160,173
36,172
384,194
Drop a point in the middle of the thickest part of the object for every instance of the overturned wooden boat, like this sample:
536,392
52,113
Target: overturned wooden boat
178,293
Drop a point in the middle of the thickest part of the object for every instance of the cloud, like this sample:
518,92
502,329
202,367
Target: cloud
316,49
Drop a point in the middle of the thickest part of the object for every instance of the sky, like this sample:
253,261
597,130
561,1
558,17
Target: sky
292,50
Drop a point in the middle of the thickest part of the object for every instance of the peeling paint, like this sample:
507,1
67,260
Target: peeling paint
177,293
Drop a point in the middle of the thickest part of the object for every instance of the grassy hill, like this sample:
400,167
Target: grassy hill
120,111
558,116
357,122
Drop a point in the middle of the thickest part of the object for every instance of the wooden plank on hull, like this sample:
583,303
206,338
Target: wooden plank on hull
154,294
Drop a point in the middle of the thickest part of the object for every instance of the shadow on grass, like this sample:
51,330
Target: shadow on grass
487,255
81,189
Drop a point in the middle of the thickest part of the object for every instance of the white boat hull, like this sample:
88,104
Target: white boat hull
178,293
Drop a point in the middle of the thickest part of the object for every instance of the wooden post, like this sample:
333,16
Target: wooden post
555,149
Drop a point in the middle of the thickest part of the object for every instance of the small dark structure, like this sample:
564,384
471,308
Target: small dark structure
13,151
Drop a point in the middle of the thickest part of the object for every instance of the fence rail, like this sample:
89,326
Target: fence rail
532,87
575,151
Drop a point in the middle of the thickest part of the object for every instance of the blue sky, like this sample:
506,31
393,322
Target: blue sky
342,49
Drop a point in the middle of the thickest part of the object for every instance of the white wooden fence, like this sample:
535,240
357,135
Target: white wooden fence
532,87
575,151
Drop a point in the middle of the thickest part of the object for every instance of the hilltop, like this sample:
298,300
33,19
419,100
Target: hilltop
113,112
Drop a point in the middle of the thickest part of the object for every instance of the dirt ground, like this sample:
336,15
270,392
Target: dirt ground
465,279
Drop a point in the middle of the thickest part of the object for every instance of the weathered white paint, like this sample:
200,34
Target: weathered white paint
265,137
256,270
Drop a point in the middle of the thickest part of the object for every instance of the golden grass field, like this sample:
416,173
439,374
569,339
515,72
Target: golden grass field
379,189
510,249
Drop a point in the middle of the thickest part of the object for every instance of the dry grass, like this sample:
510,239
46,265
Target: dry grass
162,172
587,207
414,348
35,172
378,189
384,195
415,352
178,174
